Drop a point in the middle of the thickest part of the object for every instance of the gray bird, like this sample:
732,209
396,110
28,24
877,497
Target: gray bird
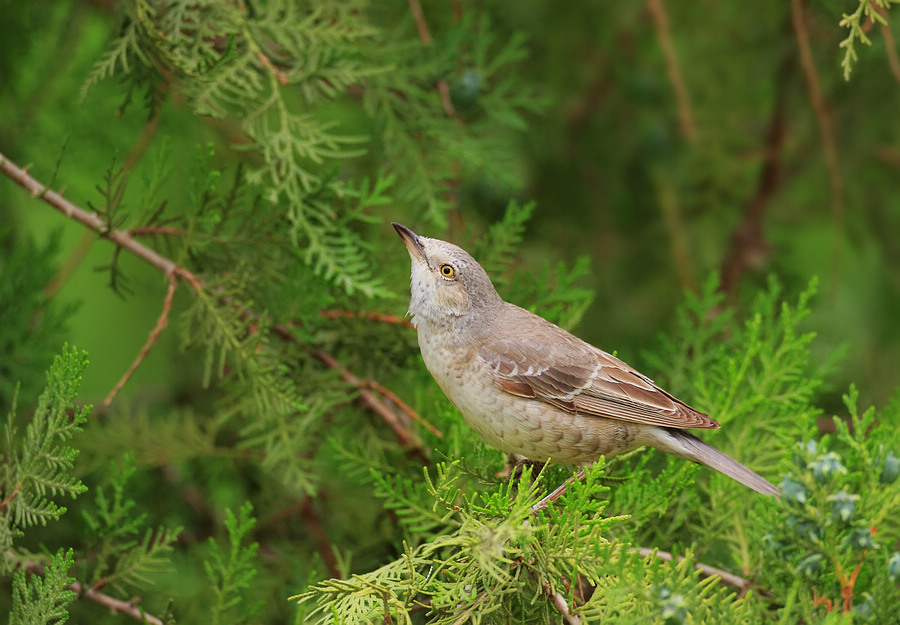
528,387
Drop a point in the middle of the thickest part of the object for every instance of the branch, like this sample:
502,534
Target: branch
826,129
128,608
559,602
685,115
8,500
443,88
404,435
706,570
890,47
402,405
94,222
373,316
151,340
748,246
121,238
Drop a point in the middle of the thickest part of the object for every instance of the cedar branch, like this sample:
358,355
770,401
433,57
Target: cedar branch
128,608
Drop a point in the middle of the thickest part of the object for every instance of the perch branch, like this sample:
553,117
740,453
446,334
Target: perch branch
94,222
561,605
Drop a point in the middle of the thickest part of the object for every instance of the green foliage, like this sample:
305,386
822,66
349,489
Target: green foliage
498,555
44,599
839,532
38,465
25,272
117,557
867,9
231,571
277,141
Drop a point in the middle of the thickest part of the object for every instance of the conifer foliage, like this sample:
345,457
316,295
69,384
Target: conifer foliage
295,462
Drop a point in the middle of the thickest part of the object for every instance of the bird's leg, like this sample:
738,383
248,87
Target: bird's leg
513,469
514,465
544,503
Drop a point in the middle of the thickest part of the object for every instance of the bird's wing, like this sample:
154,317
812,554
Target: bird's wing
547,363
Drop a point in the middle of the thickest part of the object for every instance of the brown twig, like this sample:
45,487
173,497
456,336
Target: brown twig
373,316
314,523
443,88
161,323
404,435
685,114
706,570
121,238
141,231
366,396
748,246
128,608
826,129
9,499
402,405
544,503
93,221
681,254
890,48
72,263
560,603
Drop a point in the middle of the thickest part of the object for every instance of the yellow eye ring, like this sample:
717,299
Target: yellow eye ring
447,271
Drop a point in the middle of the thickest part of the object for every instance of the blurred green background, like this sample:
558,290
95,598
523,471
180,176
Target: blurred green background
655,188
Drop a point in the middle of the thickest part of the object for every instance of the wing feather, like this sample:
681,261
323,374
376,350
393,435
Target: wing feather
563,370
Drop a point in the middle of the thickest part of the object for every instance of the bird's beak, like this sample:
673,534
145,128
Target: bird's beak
412,242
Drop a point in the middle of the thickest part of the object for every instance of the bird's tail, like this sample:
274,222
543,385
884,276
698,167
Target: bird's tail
685,445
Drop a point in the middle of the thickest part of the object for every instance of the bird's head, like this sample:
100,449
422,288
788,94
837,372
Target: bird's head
447,283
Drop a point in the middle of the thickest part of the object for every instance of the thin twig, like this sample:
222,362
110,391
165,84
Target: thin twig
121,238
93,221
402,405
748,246
419,18
150,230
890,48
544,503
161,323
128,608
706,570
443,88
314,523
560,603
685,114
826,129
9,499
404,435
373,316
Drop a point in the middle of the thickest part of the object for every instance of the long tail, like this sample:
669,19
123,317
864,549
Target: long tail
685,445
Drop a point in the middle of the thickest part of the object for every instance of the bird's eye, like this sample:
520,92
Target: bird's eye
447,271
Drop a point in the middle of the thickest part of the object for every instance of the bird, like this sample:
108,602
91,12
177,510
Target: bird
531,388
